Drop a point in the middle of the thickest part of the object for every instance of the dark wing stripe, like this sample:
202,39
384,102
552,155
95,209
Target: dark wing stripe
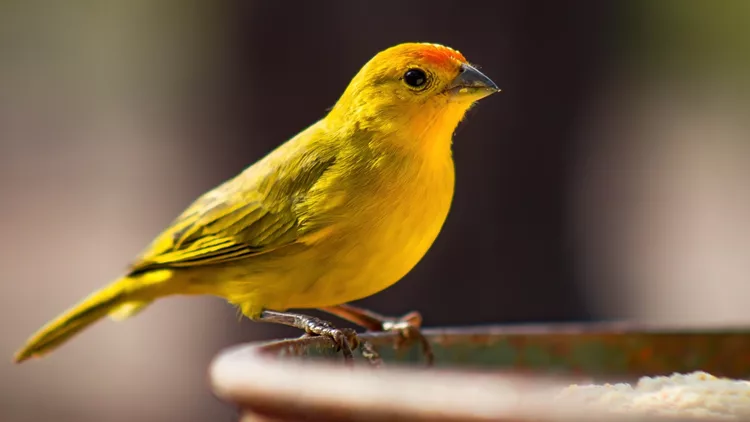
276,230
230,253
217,221
249,212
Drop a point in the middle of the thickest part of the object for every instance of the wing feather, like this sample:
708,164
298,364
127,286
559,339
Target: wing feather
244,217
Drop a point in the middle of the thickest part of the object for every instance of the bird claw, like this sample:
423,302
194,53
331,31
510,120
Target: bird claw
369,353
408,328
345,339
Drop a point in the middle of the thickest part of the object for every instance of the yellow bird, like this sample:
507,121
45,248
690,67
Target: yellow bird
337,213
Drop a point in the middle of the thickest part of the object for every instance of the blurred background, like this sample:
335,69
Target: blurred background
609,179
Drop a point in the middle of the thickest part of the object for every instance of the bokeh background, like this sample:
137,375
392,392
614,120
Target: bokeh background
609,179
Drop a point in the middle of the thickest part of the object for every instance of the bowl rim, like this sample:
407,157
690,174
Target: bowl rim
255,377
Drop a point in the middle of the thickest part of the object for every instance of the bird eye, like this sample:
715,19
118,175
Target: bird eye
415,78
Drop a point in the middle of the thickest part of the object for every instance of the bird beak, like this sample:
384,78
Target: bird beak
472,83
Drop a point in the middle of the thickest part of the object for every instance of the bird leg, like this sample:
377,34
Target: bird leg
344,338
407,326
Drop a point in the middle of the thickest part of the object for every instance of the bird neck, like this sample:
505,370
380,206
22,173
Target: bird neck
424,133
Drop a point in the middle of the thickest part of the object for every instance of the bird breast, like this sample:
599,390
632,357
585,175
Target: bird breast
399,221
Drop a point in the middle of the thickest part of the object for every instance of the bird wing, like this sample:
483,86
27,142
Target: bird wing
256,212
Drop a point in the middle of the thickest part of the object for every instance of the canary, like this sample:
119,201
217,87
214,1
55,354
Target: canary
339,212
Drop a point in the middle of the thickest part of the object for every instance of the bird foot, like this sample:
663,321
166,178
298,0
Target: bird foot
345,339
408,328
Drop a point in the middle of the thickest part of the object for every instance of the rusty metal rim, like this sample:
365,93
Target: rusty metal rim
440,335
251,376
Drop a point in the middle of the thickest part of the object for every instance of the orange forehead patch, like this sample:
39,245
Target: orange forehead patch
440,54
434,55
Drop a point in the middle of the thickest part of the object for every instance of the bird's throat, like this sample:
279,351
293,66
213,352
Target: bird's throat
433,132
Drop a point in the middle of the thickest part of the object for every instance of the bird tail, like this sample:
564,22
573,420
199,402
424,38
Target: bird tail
116,300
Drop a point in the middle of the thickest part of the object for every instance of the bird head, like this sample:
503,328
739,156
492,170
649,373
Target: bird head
418,90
